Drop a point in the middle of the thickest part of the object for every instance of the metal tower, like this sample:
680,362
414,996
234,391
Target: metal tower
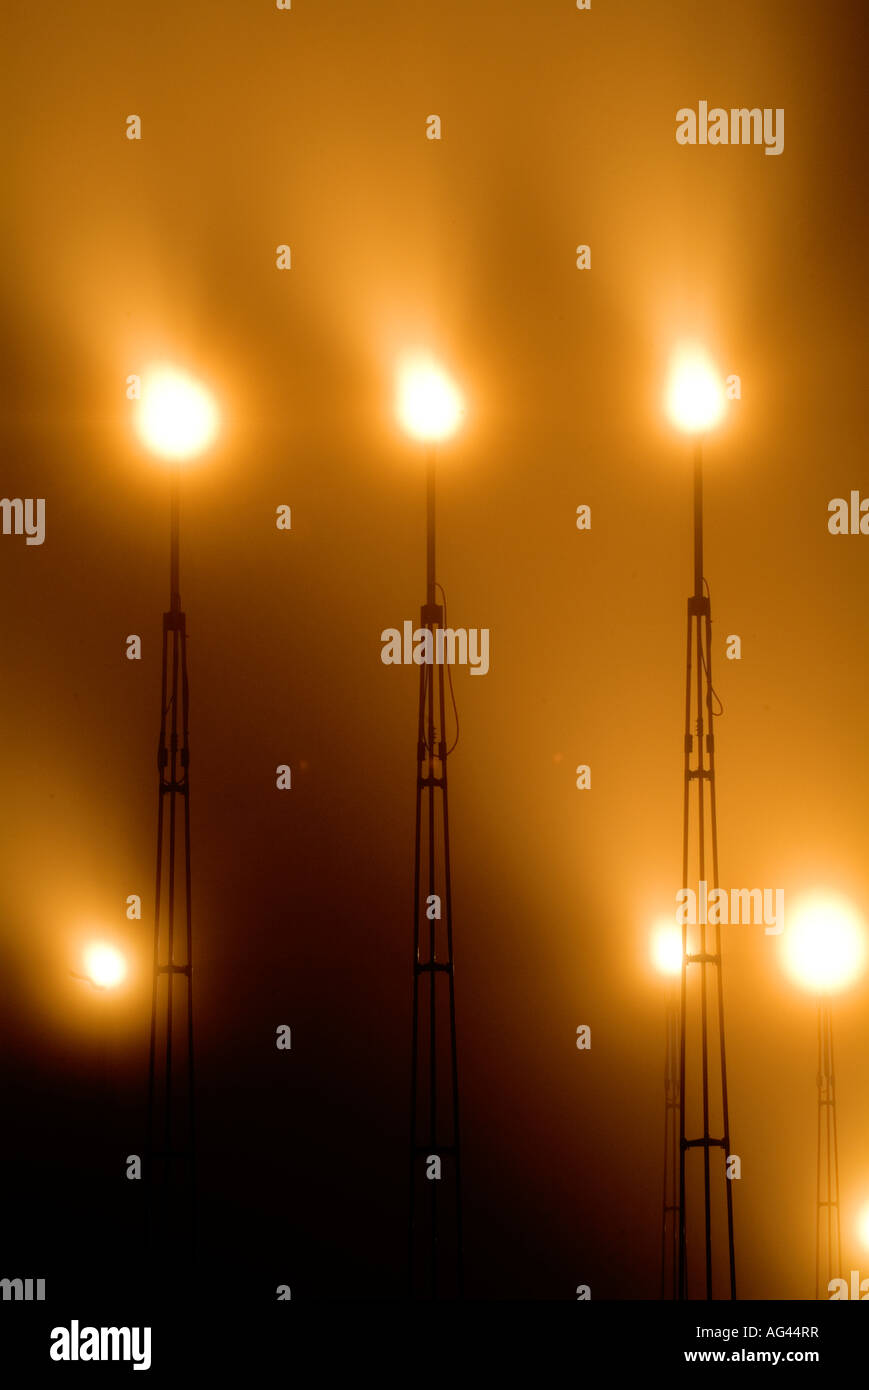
435,1230
170,1149
828,1230
670,1212
702,1078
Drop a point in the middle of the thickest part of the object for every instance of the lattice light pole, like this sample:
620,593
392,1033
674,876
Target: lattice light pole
177,420
667,959
824,951
696,404
828,1219
430,408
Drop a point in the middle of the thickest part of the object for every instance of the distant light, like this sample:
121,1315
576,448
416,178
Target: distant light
429,404
695,396
177,417
105,967
667,949
824,944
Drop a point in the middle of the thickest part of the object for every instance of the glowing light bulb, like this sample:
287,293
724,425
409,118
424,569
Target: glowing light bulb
105,967
666,948
429,404
823,944
695,395
177,417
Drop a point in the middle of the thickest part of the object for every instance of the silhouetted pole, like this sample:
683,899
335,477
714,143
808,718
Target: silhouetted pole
670,1213
828,1159
698,519
699,767
435,1259
170,1162
430,522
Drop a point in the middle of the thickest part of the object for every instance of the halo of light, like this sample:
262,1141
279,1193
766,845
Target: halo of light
177,416
823,944
429,405
104,965
666,948
863,1226
695,394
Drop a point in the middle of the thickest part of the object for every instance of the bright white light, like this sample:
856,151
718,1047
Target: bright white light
176,417
695,396
824,944
666,948
104,966
429,404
